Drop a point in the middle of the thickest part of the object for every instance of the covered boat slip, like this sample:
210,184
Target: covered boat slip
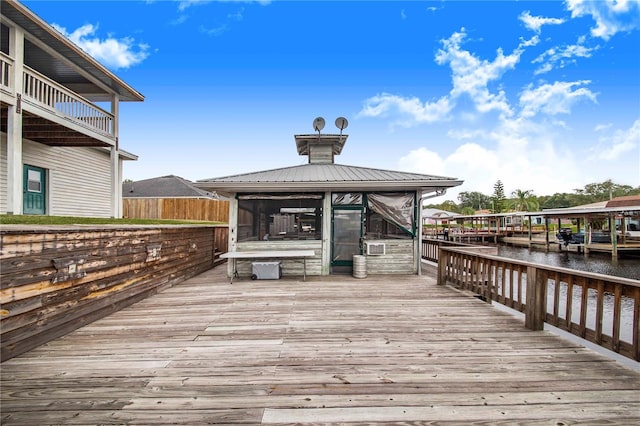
329,350
609,226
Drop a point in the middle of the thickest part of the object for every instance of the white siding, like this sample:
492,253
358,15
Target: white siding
78,178
3,173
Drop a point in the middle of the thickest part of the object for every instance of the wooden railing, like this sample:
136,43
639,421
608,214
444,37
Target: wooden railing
602,309
431,247
6,63
44,92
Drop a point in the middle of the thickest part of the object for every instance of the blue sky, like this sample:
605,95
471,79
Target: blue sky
543,95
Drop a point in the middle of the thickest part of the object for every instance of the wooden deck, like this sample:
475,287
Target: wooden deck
328,350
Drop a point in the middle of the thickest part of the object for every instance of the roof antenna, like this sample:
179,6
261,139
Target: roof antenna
318,125
341,123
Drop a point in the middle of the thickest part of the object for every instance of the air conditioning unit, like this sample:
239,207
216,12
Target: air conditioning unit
375,249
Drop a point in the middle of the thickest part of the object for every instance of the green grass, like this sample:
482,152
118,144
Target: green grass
71,220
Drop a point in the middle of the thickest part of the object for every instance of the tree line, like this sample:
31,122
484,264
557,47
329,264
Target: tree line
526,200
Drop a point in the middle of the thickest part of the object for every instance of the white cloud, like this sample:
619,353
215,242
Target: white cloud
215,31
523,156
611,16
535,23
423,159
602,127
471,75
237,16
621,142
560,57
408,111
112,52
552,99
184,4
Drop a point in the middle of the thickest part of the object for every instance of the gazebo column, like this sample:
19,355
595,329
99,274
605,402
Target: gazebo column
326,234
233,232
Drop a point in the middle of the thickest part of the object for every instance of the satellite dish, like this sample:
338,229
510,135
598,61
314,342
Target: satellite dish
318,124
341,123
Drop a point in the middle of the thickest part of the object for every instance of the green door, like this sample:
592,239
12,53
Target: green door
35,190
347,236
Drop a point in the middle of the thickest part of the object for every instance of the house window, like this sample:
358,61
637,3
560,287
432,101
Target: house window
34,181
273,217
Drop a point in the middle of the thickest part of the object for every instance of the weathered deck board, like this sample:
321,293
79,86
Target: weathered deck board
328,350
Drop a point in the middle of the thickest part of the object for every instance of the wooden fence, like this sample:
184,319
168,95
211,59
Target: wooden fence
176,208
602,309
57,279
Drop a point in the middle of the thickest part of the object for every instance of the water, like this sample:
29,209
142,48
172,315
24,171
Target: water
598,262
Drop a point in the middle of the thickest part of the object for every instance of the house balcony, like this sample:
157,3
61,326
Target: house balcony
51,113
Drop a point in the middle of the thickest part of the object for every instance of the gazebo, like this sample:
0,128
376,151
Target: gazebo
336,211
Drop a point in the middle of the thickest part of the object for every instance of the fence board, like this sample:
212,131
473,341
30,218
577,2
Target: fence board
201,209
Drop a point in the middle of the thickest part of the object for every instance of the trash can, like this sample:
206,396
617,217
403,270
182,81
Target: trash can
359,266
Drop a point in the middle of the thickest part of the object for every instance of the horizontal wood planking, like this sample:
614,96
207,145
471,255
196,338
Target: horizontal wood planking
398,258
113,269
294,267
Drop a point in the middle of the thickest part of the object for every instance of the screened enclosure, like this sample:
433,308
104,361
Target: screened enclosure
268,217
386,214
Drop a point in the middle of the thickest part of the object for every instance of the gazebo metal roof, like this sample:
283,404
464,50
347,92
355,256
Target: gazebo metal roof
323,177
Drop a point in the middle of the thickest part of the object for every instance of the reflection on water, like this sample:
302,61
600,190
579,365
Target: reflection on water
599,263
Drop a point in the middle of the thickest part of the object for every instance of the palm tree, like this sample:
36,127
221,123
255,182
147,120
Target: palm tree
524,201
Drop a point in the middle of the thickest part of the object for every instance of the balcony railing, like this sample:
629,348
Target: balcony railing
6,63
602,309
45,93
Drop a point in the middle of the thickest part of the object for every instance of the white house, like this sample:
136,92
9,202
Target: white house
59,150
336,211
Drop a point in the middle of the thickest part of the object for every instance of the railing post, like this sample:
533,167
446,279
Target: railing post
442,267
536,309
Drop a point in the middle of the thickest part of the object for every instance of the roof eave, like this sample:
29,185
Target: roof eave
235,187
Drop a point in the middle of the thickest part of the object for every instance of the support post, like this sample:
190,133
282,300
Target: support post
442,267
587,235
14,166
546,232
233,234
535,311
116,182
614,236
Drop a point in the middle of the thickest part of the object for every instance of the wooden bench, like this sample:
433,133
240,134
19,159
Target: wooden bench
268,254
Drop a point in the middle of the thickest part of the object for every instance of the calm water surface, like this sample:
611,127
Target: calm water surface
600,263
